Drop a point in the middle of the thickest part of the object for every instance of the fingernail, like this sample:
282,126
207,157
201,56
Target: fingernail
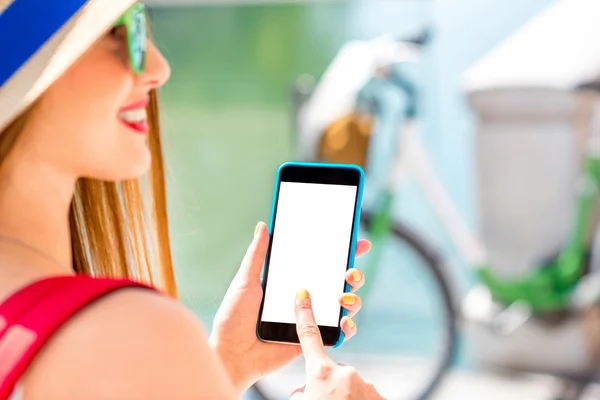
348,299
302,294
257,228
350,323
356,275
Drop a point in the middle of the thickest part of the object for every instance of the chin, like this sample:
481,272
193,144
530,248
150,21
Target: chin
136,171
133,174
132,168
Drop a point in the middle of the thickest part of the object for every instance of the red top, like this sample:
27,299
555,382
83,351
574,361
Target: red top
30,317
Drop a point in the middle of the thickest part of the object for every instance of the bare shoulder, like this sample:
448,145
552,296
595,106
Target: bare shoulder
133,344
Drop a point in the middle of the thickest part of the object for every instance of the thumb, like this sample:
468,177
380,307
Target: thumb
254,260
308,331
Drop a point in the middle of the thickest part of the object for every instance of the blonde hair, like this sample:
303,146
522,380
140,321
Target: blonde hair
119,229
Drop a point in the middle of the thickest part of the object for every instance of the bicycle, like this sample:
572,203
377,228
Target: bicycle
562,284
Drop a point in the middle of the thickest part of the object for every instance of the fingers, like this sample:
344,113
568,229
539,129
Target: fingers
254,260
355,278
362,247
308,331
350,302
348,327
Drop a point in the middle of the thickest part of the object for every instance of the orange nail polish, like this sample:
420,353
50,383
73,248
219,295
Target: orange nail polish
350,323
257,229
302,294
348,299
356,275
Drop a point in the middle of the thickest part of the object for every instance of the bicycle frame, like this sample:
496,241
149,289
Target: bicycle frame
410,160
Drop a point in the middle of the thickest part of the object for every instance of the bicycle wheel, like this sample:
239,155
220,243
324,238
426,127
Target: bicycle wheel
404,346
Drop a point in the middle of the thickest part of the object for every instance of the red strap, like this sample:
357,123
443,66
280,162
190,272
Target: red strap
32,315
19,302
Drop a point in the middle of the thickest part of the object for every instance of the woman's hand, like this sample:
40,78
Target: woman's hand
324,378
233,336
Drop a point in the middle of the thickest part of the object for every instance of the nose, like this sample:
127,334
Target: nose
157,71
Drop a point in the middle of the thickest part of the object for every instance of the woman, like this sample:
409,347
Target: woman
77,111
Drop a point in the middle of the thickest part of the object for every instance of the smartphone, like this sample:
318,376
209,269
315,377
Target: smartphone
313,235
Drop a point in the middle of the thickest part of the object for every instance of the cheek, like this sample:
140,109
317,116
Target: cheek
79,114
85,101
91,93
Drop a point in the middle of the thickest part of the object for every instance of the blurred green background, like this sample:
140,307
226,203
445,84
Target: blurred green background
228,123
227,115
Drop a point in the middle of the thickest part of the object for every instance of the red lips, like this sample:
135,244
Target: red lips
140,127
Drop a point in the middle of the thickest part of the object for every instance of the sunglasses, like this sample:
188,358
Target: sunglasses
134,21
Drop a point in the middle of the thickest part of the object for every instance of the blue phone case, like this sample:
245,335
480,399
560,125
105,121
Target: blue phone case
355,225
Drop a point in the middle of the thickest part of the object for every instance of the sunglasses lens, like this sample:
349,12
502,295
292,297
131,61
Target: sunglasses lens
137,38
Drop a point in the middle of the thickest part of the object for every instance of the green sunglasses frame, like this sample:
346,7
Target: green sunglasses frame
129,20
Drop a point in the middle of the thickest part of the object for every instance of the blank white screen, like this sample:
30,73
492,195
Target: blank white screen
311,242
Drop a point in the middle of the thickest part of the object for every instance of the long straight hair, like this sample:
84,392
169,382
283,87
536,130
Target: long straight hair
119,229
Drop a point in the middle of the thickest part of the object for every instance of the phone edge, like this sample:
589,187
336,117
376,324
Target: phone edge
353,242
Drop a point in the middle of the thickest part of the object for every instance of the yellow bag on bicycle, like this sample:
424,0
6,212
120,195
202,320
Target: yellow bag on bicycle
346,140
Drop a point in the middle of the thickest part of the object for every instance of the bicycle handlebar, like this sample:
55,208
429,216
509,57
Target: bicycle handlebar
421,39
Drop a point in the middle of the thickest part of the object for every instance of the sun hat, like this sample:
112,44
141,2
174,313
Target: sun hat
40,39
